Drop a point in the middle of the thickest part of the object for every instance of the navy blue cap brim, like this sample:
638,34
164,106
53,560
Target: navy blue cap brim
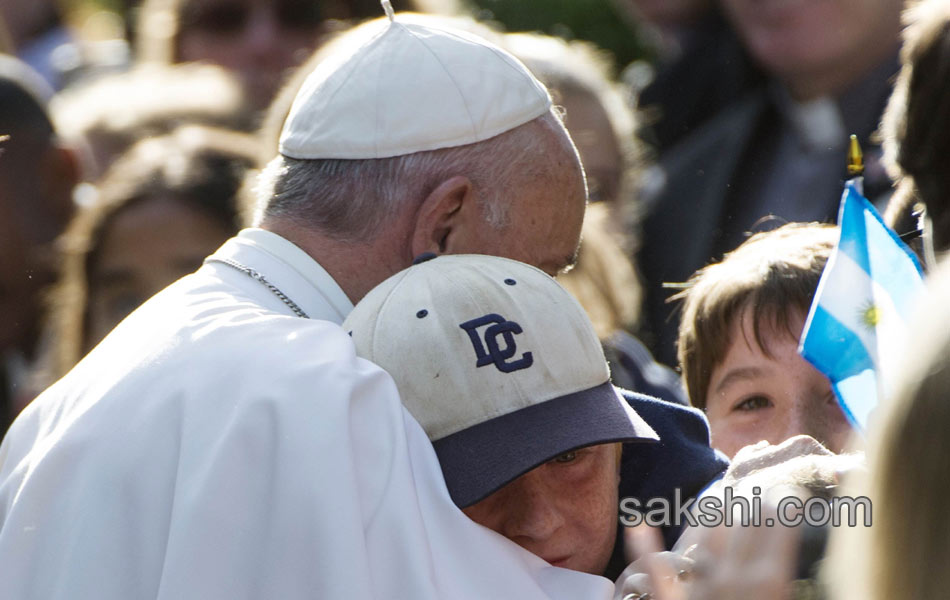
481,459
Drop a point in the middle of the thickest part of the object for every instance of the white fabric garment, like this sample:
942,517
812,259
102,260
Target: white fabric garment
215,446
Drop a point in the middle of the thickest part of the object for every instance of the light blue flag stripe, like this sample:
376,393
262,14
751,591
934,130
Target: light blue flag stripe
841,353
865,294
862,385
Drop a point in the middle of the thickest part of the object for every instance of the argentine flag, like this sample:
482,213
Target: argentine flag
865,295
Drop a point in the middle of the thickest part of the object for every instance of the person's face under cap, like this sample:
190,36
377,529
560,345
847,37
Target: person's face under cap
564,511
503,370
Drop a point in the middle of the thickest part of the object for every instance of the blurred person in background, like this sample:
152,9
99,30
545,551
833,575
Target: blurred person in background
161,209
700,66
107,115
903,556
259,40
36,29
781,149
65,41
37,176
596,112
738,342
602,125
916,130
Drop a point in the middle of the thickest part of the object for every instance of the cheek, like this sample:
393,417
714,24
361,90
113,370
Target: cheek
730,434
728,431
839,430
489,513
594,516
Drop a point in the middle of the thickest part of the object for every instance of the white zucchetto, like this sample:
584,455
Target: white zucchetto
409,88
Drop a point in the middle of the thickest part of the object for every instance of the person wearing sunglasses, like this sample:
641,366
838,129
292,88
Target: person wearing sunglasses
260,40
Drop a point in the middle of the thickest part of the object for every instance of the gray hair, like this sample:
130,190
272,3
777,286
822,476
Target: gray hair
352,200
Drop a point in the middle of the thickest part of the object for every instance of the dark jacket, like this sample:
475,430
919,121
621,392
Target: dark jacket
681,460
713,71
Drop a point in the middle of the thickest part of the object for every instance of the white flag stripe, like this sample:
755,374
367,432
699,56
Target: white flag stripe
863,385
845,293
891,331
896,269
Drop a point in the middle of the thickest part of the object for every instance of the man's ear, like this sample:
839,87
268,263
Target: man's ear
440,215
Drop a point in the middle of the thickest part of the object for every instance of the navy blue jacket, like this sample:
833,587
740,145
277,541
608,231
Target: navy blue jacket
682,459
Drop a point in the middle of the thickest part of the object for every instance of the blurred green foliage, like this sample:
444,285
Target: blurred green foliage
597,21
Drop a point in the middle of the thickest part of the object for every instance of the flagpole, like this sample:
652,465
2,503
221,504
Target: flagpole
856,165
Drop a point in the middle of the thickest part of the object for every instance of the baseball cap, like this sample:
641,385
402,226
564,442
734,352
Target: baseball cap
497,362
408,84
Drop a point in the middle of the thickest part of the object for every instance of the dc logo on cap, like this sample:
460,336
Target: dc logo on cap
500,328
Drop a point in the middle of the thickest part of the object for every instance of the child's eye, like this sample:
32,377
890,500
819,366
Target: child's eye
753,403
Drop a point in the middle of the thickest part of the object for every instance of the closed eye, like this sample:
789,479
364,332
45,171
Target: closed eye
567,457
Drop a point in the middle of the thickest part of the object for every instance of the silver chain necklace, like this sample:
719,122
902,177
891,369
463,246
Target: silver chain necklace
263,281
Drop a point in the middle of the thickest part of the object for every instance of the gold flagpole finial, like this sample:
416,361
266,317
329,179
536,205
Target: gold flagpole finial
855,158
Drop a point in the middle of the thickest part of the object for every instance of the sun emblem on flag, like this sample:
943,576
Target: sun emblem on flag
870,315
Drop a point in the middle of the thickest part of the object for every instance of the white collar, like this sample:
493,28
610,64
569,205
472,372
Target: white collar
817,123
318,294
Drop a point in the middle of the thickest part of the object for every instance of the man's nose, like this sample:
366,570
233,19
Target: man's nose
535,515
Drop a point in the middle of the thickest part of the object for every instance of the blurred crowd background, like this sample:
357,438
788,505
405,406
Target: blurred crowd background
132,132
136,128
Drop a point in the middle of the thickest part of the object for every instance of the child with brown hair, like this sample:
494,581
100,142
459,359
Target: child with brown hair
738,342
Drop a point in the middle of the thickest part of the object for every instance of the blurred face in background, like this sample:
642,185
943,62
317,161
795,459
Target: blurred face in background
817,47
257,39
590,128
147,246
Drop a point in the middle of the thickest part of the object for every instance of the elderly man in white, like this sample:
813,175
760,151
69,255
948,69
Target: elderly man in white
224,441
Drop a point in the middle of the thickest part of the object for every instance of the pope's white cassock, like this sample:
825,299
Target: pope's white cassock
217,446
